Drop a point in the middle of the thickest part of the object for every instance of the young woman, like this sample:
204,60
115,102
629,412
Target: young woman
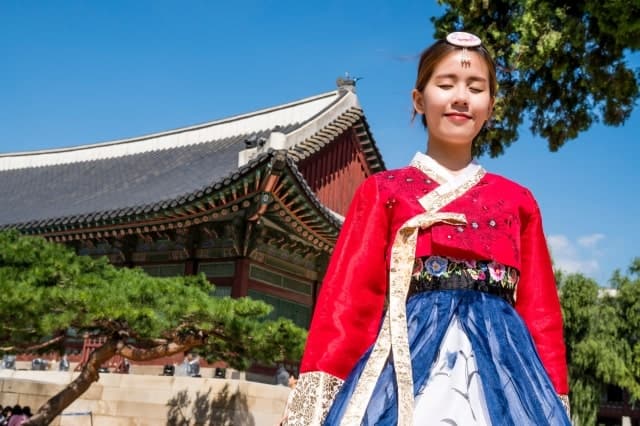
439,305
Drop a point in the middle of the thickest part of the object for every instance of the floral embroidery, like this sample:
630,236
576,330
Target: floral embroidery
496,271
436,266
474,273
440,273
417,266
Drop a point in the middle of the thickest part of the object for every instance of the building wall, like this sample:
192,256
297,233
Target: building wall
280,278
336,171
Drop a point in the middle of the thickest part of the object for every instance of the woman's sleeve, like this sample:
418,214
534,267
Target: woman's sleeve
537,299
349,308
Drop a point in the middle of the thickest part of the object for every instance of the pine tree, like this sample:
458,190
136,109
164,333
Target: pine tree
47,289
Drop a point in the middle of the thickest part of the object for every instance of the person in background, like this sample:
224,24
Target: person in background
194,365
17,416
26,410
282,376
5,416
64,363
293,381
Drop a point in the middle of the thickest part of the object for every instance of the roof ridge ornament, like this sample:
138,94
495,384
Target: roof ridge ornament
347,82
254,141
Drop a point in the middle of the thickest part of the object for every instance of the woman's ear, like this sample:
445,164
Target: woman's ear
418,101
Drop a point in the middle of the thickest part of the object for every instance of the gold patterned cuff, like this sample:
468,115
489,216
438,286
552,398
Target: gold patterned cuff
565,403
312,398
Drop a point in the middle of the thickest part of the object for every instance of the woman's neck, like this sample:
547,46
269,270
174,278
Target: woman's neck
452,159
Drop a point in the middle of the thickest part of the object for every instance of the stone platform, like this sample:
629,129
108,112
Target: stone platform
146,400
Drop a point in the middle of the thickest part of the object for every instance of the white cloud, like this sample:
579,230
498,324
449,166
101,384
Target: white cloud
590,241
581,255
559,244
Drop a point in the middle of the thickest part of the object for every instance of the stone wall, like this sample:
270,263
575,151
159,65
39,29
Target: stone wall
145,400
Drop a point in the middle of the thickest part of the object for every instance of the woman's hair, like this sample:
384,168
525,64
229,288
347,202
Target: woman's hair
432,56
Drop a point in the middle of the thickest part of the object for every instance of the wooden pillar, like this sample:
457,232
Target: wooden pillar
128,244
191,263
190,266
321,265
240,286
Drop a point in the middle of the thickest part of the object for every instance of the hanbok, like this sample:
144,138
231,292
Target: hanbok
439,306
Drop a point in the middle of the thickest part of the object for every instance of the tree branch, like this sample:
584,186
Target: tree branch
89,373
8,328
161,350
39,346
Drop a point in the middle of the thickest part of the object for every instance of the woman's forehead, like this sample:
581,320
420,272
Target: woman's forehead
459,63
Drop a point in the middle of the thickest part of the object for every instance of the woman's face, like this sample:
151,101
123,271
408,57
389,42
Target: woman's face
456,100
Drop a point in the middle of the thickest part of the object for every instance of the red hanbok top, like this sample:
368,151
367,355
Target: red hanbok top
503,225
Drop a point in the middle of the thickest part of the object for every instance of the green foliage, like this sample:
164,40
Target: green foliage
629,309
602,338
47,289
561,65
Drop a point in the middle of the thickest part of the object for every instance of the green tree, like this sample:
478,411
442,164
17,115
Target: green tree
602,343
628,308
47,289
561,65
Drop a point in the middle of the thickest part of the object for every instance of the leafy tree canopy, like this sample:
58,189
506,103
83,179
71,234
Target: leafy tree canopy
47,289
602,338
561,65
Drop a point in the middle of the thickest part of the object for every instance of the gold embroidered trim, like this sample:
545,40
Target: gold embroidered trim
393,336
364,388
565,403
446,193
312,398
428,171
401,255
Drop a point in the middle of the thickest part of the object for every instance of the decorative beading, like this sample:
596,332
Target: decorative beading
312,398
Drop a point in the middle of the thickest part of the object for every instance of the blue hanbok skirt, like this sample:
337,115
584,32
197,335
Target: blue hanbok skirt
505,368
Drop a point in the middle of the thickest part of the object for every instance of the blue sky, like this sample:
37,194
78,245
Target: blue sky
79,72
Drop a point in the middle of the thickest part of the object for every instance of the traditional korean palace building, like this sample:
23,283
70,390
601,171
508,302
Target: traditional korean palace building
254,201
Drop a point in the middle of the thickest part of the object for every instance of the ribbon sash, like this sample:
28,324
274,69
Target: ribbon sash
393,338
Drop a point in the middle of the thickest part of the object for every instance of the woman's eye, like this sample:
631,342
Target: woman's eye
475,90
445,86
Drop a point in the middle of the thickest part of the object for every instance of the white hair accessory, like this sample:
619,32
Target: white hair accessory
464,40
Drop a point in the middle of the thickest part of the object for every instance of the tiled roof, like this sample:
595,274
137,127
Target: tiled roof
150,173
121,185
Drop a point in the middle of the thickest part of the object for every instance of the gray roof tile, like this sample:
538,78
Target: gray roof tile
116,186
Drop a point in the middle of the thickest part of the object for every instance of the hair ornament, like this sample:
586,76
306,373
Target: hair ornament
464,40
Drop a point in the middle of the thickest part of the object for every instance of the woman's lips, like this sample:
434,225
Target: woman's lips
456,116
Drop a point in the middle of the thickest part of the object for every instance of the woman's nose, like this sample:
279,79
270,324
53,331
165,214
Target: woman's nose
461,96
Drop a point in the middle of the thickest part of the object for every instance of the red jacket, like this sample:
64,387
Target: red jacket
503,225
